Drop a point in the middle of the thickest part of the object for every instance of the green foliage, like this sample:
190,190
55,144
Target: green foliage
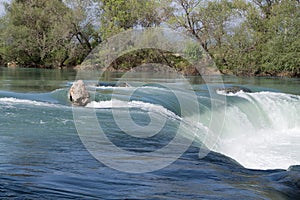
256,37
243,37
42,33
282,46
273,39
139,57
120,15
193,52
35,32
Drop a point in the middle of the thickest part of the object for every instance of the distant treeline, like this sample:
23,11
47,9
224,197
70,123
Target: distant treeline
244,37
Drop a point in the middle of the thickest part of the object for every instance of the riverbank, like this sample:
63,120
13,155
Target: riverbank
259,73
192,71
188,71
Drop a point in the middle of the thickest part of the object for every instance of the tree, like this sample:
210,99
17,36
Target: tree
282,47
84,25
121,15
258,37
272,42
207,21
2,41
42,33
37,32
184,14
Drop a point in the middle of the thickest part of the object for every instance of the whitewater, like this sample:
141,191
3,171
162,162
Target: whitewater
261,131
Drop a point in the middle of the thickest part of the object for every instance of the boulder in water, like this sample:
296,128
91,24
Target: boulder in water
78,94
12,64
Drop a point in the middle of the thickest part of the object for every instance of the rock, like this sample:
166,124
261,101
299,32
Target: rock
106,84
78,94
295,168
109,84
123,84
12,64
234,89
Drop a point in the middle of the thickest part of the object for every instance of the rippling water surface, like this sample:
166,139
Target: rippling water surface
43,157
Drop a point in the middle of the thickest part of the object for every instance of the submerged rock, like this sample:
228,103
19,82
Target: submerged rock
287,182
108,84
78,94
234,89
295,168
124,84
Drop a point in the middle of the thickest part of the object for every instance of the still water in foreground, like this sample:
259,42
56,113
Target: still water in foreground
43,157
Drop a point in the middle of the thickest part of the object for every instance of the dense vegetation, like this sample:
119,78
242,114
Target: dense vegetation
257,37
43,33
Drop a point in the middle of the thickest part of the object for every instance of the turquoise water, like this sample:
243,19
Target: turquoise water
43,154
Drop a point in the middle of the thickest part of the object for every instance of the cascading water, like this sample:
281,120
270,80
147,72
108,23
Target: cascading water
262,131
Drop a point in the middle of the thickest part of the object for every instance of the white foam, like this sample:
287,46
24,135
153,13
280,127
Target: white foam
222,92
283,110
104,87
126,88
267,149
154,88
11,101
133,104
263,133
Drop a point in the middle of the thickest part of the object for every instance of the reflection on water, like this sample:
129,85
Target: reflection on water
45,80
34,80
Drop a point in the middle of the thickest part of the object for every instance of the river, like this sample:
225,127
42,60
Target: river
230,146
